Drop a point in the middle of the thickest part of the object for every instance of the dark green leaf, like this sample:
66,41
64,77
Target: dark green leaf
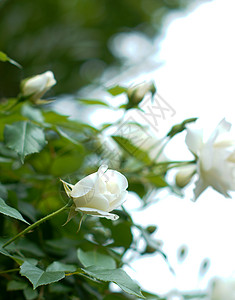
14,285
117,276
24,137
94,258
30,294
116,90
39,277
10,211
57,266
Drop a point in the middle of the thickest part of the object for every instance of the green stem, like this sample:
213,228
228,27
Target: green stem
9,271
31,227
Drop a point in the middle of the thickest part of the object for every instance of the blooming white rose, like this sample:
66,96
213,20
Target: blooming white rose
36,86
99,193
216,158
223,289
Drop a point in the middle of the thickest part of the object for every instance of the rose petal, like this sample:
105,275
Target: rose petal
119,201
84,186
200,186
194,139
117,177
97,213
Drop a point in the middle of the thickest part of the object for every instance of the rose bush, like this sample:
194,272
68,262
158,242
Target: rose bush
36,86
216,158
99,193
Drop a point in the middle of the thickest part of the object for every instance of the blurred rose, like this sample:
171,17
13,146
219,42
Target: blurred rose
99,193
216,158
35,87
223,290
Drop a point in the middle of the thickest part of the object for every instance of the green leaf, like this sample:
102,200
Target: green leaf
132,149
117,276
24,137
39,277
14,285
10,211
57,266
158,181
116,90
30,294
5,58
33,114
3,191
93,102
94,258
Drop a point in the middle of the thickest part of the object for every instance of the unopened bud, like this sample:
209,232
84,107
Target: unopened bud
35,87
137,92
184,176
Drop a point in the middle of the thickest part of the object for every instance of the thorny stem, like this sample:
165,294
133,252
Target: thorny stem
29,228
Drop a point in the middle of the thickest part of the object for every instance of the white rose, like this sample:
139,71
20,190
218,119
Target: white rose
216,158
99,193
36,86
223,290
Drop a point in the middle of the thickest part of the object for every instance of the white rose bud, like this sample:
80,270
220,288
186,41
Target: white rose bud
35,87
223,289
137,92
184,175
216,158
99,193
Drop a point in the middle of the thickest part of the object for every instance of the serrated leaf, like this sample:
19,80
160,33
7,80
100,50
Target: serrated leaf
94,258
116,90
10,211
5,58
117,276
24,137
39,277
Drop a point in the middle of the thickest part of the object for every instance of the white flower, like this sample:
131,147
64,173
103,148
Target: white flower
99,193
36,86
216,158
223,289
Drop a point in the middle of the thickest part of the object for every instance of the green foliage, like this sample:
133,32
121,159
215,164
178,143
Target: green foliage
24,137
117,276
10,211
38,146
